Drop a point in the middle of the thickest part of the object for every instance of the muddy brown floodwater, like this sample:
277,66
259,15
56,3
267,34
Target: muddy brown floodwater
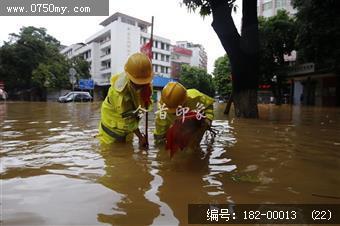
53,172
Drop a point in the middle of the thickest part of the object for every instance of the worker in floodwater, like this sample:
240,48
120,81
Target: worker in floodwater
183,116
128,96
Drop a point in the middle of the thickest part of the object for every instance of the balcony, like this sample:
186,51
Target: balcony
105,43
105,57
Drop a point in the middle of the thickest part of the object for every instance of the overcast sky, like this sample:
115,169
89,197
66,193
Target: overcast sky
171,21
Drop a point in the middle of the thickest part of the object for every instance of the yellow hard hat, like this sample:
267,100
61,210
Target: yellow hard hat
139,69
173,95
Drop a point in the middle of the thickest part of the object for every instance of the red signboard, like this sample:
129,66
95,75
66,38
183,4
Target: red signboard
264,86
181,50
2,85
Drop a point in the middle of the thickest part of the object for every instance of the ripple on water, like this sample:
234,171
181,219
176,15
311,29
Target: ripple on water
14,143
56,129
11,134
223,168
10,121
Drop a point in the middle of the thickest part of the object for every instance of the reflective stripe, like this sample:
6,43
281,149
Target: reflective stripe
114,135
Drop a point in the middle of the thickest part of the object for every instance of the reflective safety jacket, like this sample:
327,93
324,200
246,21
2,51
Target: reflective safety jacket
194,97
119,117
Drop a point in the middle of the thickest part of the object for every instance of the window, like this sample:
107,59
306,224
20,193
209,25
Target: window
167,47
156,44
156,54
167,58
156,68
267,5
162,57
106,65
162,45
87,54
280,3
162,69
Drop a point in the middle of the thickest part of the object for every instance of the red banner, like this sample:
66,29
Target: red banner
147,49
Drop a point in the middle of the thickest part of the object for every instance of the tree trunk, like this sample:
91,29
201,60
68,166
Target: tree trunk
242,52
227,108
245,103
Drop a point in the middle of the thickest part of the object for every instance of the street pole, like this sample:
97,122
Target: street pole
147,113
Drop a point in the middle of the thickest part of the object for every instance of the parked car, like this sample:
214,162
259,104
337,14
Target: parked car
76,97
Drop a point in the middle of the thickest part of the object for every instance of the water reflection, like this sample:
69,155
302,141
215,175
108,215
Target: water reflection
126,173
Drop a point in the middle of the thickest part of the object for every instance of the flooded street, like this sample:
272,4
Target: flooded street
54,172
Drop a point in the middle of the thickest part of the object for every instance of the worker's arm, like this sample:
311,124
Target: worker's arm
161,127
208,103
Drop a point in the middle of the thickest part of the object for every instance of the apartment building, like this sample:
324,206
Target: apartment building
108,49
268,8
179,57
199,56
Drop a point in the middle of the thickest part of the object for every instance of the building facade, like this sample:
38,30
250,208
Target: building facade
199,56
179,56
268,8
312,87
108,49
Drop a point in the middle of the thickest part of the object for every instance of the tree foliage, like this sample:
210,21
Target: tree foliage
197,78
204,6
222,76
82,67
52,74
319,32
277,37
31,60
23,53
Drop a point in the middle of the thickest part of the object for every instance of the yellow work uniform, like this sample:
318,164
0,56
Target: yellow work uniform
119,117
194,97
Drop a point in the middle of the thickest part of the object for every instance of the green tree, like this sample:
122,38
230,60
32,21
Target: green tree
23,53
277,37
319,32
31,60
222,76
82,67
197,78
52,74
242,49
